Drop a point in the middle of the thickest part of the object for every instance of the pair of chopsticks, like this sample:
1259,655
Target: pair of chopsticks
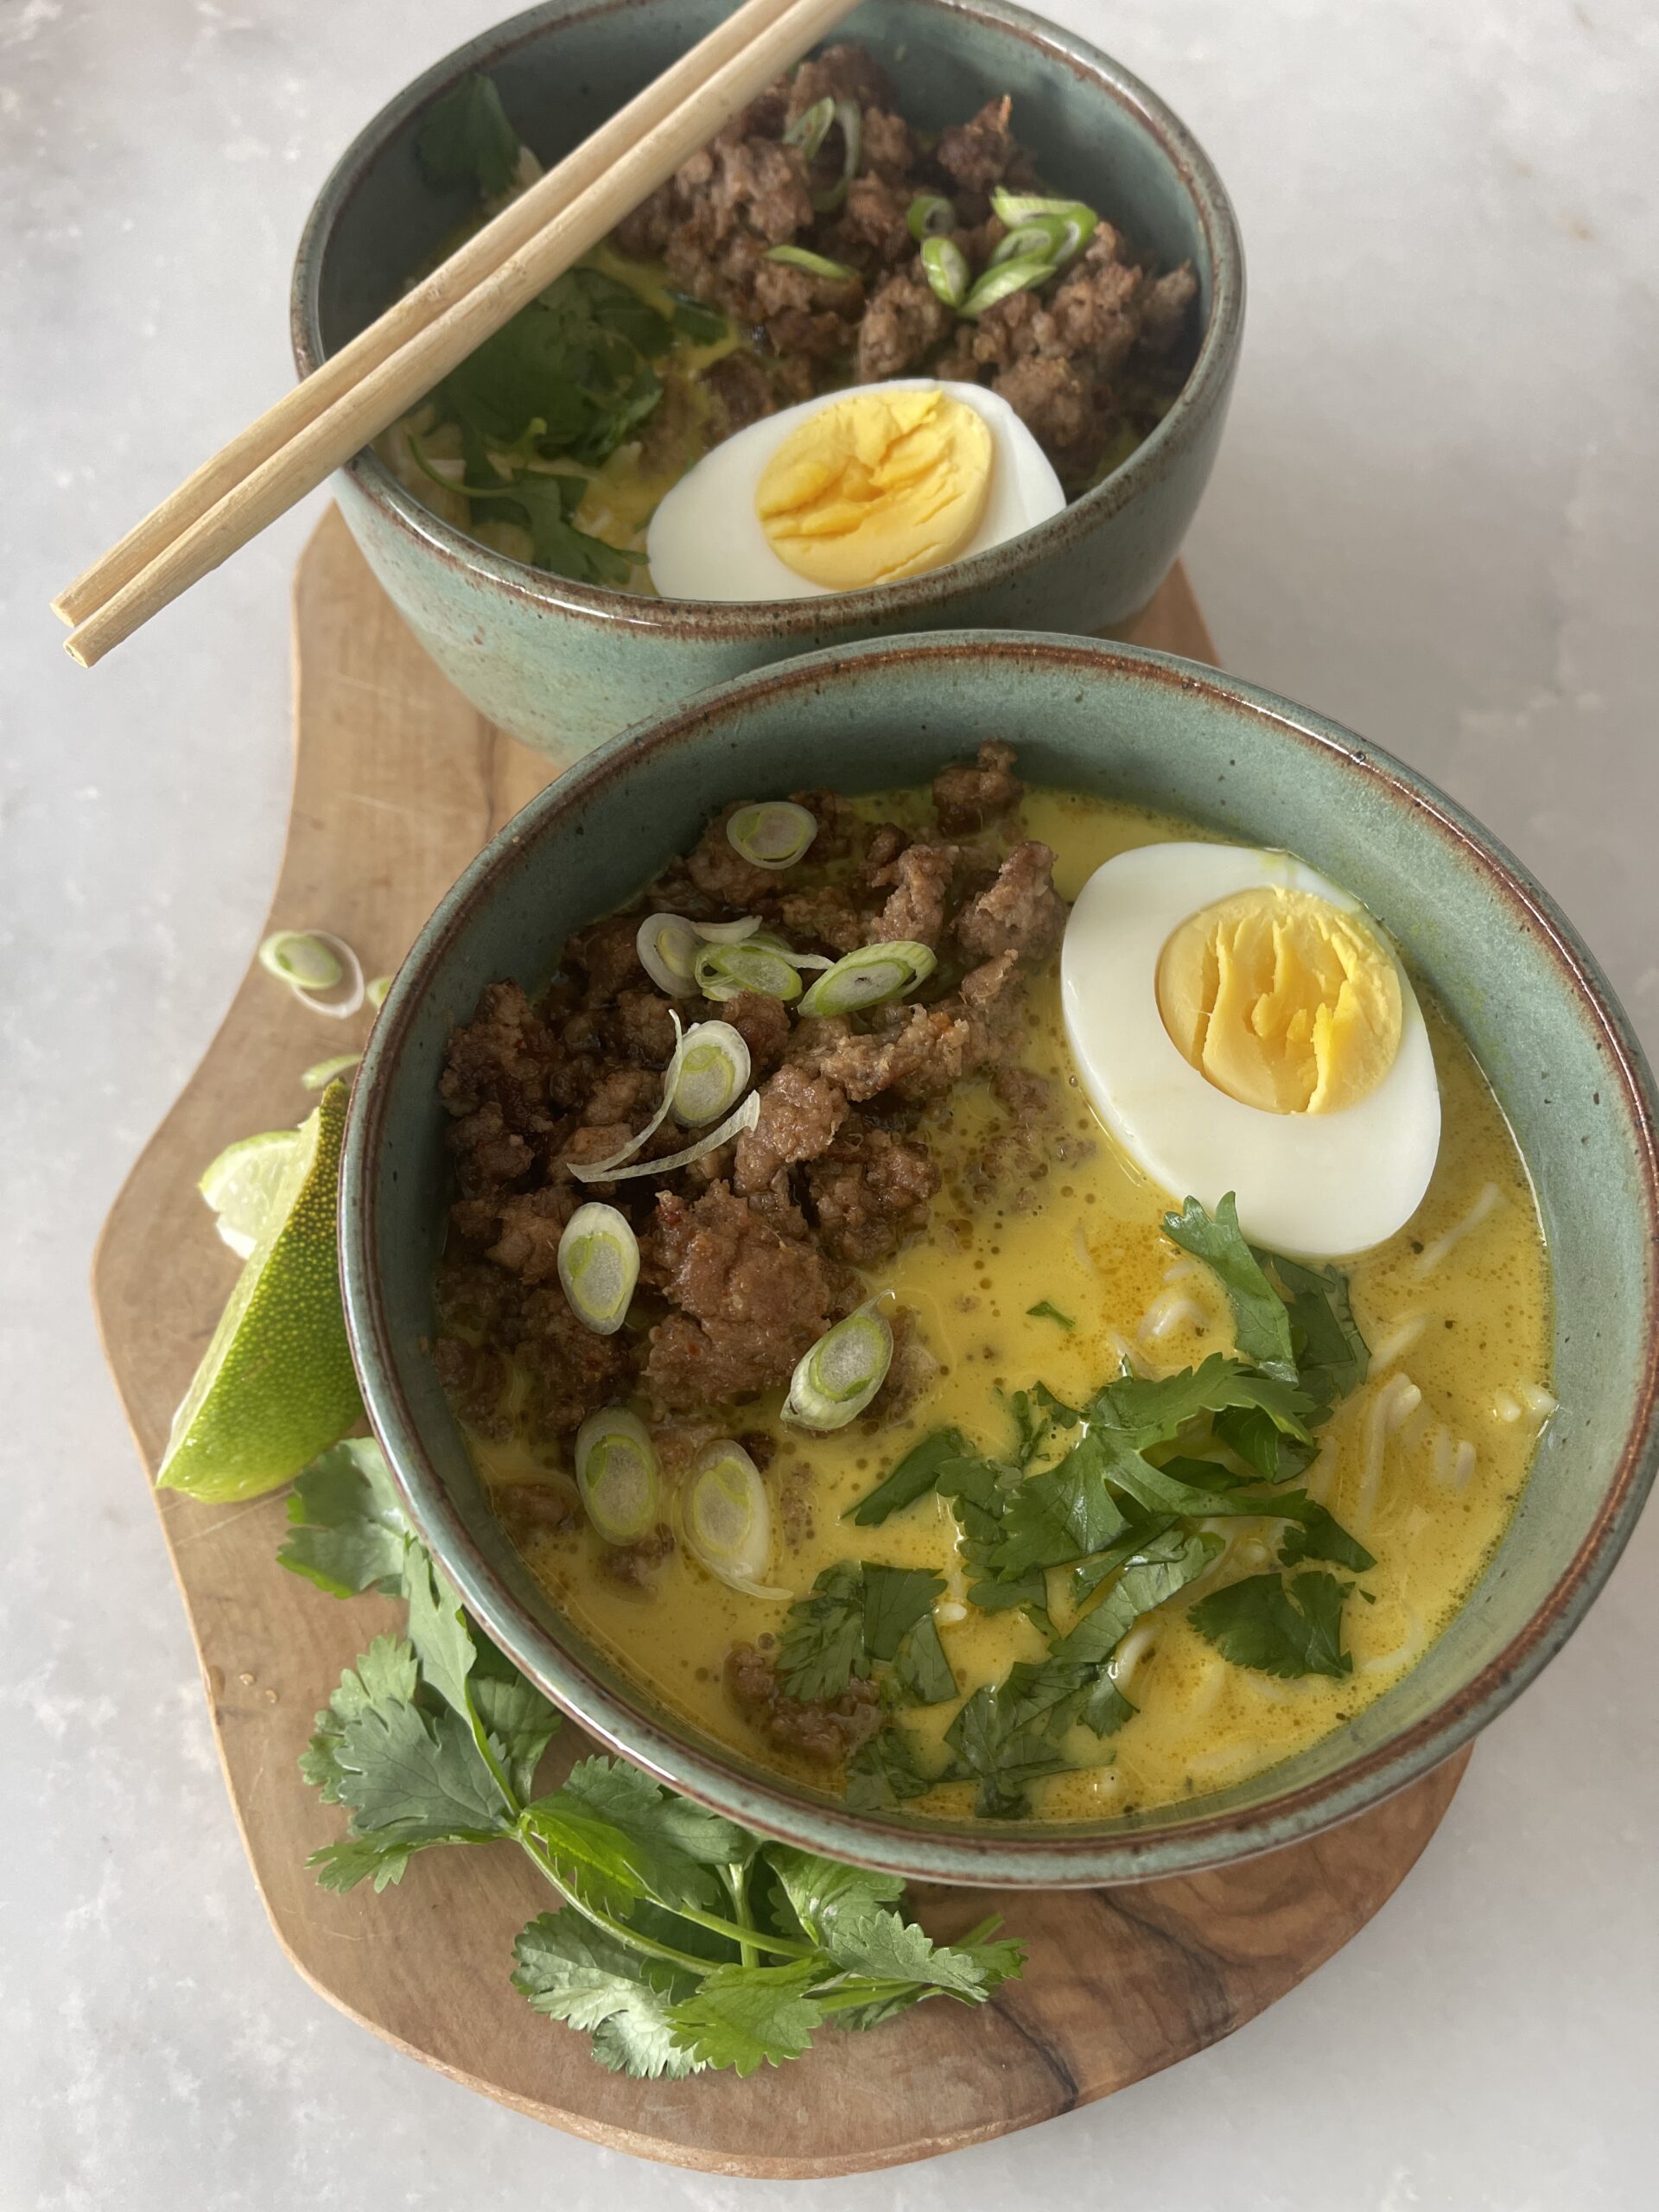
365,388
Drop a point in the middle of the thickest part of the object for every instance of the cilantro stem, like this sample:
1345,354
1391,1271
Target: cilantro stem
498,1773
630,1936
746,1935
736,1879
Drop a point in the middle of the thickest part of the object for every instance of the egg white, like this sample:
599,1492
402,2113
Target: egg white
1312,1185
705,540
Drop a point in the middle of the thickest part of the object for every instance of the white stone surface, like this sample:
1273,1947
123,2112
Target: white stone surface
1434,517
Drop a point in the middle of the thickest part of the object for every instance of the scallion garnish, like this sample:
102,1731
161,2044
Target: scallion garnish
618,1475
815,264
599,1266
931,216
723,970
812,127
851,117
667,945
728,1517
771,833
603,1171
1002,283
946,266
836,1379
1034,241
743,1117
375,991
312,960
869,976
1015,209
714,1071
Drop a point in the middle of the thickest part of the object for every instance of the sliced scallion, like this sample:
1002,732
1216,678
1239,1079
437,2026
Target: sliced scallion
320,1076
838,1377
812,127
312,960
931,216
851,117
1017,207
599,1266
771,833
747,925
375,991
946,266
743,1117
714,1071
1002,283
769,941
1033,241
667,945
723,970
617,1473
869,976
726,1517
815,264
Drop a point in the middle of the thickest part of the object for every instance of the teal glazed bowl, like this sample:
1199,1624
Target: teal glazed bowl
564,665
1100,718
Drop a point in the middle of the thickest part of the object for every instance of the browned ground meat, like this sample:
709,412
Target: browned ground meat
763,1024
1021,913
799,1116
823,1733
920,879
633,1564
966,798
870,1193
1078,360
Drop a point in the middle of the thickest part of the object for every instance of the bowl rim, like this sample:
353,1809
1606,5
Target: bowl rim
896,606
1003,1854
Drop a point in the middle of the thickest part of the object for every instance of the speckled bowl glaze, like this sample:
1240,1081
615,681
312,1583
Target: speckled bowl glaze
1098,718
563,665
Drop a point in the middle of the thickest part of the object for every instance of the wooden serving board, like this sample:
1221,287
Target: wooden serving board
397,782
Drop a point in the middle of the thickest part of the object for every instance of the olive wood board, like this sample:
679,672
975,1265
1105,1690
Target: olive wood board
397,782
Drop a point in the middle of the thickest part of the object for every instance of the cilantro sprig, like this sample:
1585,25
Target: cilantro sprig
683,1942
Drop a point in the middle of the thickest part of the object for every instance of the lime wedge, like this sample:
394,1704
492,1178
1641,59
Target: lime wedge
242,1182
276,1387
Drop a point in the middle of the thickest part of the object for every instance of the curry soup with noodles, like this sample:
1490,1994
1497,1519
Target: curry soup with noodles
1043,1261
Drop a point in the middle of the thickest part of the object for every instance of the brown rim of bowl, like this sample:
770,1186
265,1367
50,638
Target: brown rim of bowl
1206,386
1030,1857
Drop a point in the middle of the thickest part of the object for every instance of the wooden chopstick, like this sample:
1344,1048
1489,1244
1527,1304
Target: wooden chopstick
358,393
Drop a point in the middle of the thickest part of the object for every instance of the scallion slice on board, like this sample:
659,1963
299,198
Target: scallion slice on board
311,961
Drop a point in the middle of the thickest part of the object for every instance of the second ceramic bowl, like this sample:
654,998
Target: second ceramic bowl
1092,718
563,665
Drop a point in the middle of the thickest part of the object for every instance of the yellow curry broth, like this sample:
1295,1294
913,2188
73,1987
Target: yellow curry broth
1074,1224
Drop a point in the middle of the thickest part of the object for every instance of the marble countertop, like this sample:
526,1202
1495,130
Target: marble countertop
1434,517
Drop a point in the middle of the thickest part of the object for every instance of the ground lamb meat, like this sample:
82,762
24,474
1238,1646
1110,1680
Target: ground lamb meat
721,872
799,1116
825,917
920,879
475,1379
840,73
873,232
967,798
1021,913
904,322
763,1024
1058,407
573,1372
529,1509
530,1229
741,392
633,1564
606,958
870,1193
825,1733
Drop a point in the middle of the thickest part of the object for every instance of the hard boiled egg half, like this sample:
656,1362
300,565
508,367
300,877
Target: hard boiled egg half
1240,1024
860,489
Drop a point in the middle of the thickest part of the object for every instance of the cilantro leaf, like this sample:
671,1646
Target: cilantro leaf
542,504
568,1970
821,1646
625,1837
882,1773
874,1941
748,2017
438,1628
978,1492
1044,1310
1001,1753
618,307
857,1614
385,1674
922,1674
383,1858
1332,1356
1062,1514
1286,1625
1137,1412
704,326
913,1476
1262,1444
1315,1533
513,1715
415,1773
465,138
1260,1324
1149,1580
349,1530
821,1891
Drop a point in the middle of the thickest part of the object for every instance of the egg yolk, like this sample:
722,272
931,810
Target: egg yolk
1282,1001
875,485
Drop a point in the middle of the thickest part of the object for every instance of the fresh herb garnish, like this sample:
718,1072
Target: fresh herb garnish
914,1476
702,325
1282,1624
465,138
1044,1311
684,1942
857,1614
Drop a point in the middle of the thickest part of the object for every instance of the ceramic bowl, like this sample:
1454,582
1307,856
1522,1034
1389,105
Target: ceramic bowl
563,665
1098,718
